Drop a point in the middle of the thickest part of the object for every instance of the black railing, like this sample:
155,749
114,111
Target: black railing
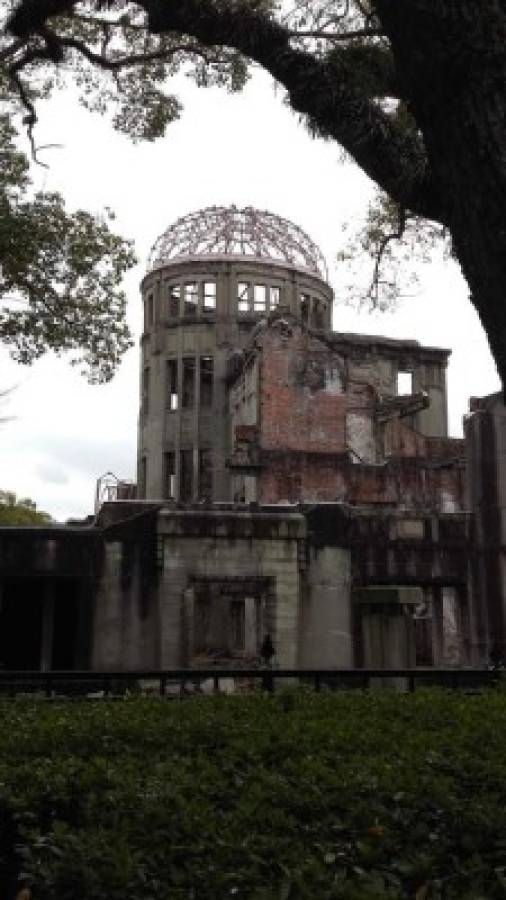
182,682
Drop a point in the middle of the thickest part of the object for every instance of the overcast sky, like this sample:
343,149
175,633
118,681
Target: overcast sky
245,149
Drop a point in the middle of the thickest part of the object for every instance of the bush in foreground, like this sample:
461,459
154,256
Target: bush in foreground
356,796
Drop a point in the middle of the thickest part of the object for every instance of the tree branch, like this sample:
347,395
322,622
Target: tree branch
10,50
121,62
336,36
383,244
109,23
30,118
394,159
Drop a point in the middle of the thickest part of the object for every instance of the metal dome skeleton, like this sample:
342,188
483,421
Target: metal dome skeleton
229,231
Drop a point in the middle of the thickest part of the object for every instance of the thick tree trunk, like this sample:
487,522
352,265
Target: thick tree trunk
452,56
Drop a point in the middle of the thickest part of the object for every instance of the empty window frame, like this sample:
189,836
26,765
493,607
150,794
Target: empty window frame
145,390
188,383
206,380
259,298
237,625
209,296
422,620
274,298
174,300
202,623
305,304
191,298
404,383
186,475
148,312
319,310
169,475
243,296
205,491
172,386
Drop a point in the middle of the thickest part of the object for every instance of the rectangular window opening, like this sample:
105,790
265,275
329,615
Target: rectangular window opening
174,300
148,312
260,297
209,295
191,297
186,476
305,302
237,625
169,475
172,388
206,380
404,383
243,296
188,388
145,390
205,491
202,623
275,296
319,310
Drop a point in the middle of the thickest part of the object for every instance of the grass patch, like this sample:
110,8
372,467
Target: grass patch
353,796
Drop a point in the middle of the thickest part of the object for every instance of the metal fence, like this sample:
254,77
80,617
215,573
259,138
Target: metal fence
184,682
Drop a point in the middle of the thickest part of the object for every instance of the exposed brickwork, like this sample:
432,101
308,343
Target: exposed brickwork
323,434
303,407
405,483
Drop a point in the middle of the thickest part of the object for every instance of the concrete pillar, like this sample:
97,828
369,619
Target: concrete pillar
46,649
250,627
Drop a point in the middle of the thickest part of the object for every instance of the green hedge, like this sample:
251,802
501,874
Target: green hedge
358,796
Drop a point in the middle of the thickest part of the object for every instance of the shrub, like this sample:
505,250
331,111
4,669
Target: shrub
359,796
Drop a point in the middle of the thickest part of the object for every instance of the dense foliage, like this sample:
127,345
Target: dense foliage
60,274
20,511
363,796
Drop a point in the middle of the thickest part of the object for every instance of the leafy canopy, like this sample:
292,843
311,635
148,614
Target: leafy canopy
20,511
410,89
121,59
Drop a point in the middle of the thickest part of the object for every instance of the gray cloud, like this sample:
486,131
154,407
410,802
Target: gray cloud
52,473
89,456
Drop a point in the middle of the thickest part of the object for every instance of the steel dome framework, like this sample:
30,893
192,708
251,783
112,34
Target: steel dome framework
229,231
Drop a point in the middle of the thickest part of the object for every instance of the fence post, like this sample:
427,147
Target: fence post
163,682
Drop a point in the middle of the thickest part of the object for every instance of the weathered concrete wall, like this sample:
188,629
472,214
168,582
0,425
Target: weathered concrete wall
126,618
405,483
378,360
287,572
326,633
144,605
218,545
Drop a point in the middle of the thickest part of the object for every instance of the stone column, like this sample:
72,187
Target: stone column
46,649
250,627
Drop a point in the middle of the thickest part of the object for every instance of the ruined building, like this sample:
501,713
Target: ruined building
292,481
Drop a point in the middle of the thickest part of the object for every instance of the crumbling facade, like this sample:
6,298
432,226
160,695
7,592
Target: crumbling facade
293,481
